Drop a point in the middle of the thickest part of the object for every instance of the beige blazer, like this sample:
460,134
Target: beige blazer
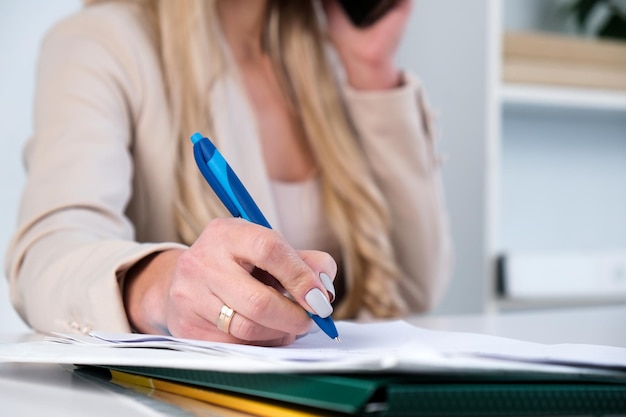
100,173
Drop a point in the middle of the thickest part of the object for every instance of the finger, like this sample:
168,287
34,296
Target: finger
324,266
245,328
260,303
201,322
257,246
194,303
320,262
198,328
334,11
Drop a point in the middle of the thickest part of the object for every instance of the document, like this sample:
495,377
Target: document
380,346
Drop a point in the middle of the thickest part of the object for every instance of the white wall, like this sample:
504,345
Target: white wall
22,24
445,44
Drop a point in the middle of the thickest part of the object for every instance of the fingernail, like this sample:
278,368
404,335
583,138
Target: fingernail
319,303
328,284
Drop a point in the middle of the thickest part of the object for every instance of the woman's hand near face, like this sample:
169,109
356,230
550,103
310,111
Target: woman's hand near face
368,53
232,263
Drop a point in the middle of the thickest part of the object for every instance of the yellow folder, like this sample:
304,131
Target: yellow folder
188,397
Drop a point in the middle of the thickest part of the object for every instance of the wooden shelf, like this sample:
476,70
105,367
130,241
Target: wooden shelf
526,95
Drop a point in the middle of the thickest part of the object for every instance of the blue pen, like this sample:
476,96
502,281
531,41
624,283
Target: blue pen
237,200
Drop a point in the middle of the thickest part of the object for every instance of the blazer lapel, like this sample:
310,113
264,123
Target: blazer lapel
238,139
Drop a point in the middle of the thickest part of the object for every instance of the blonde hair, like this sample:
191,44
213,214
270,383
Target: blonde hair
294,39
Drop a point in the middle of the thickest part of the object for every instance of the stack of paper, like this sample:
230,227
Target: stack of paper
385,368
385,346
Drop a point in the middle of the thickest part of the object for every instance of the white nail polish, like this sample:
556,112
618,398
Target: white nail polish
328,284
319,303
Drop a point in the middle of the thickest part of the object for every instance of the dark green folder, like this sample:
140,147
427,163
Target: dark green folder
411,394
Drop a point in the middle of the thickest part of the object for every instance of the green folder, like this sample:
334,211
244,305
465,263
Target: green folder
410,394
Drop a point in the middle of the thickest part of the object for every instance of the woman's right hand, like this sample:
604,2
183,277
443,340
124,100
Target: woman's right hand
239,264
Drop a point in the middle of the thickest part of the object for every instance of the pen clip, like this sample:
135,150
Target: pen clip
203,155
225,183
248,208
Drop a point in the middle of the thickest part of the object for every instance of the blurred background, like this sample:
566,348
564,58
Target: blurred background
530,98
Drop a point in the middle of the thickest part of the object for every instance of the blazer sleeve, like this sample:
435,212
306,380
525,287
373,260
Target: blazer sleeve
395,127
73,242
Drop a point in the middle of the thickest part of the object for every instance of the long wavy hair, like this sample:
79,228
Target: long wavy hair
293,37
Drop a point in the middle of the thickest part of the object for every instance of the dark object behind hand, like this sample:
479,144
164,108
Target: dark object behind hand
365,12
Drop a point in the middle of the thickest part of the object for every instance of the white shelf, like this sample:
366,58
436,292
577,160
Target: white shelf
562,97
525,167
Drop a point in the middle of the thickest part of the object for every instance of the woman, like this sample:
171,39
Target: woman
118,230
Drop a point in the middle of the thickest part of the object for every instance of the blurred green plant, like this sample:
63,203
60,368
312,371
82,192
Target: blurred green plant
614,26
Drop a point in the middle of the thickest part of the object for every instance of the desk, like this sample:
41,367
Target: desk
604,325
52,390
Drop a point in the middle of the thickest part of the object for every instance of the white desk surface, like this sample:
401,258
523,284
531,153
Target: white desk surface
604,325
52,390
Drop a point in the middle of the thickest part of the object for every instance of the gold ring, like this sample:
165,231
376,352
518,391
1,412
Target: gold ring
224,319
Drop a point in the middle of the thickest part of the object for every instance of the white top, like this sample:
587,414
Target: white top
309,228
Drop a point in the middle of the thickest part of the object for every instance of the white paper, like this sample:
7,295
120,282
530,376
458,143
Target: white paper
512,349
365,341
389,346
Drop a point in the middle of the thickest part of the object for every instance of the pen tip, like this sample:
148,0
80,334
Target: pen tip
338,339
